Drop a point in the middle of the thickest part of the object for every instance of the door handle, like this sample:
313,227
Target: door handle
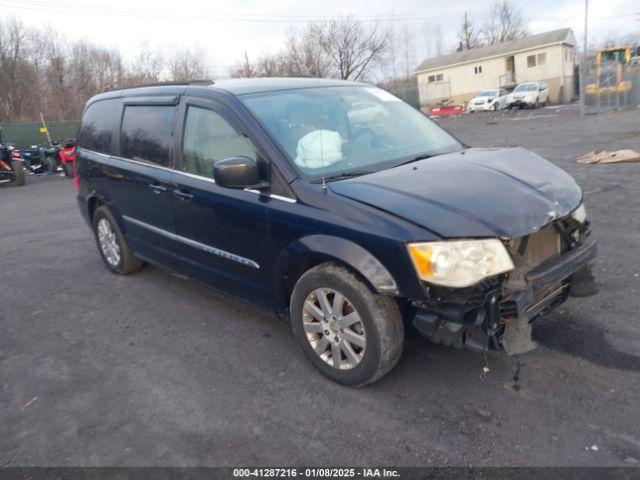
184,196
157,188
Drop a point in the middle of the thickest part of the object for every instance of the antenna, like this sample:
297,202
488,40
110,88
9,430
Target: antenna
324,181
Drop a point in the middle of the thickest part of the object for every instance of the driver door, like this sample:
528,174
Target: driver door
222,232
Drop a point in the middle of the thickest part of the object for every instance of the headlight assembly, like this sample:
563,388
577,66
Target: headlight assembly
580,214
459,263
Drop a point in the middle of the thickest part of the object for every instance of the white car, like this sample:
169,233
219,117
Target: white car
494,99
363,112
529,94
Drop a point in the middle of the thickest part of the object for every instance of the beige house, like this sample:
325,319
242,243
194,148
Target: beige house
458,77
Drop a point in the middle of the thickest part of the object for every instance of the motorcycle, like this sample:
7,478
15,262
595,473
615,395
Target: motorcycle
34,160
68,157
11,164
52,156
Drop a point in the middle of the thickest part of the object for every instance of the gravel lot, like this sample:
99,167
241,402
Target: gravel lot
154,369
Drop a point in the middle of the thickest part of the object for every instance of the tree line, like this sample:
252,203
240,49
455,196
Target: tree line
42,71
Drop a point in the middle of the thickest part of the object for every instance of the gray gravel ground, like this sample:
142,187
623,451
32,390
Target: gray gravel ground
153,369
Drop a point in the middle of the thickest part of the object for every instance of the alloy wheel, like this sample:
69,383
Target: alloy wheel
334,328
108,242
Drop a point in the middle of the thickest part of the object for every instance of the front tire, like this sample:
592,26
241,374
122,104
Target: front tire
350,334
18,173
113,249
68,169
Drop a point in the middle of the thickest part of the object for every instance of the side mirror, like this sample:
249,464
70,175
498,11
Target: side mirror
236,172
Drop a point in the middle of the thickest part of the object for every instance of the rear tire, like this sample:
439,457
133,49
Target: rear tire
111,244
348,351
18,173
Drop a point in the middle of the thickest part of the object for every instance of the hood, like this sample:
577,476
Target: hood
507,192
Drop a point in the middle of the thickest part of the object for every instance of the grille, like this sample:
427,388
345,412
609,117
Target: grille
539,247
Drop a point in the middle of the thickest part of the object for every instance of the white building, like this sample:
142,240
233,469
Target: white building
459,76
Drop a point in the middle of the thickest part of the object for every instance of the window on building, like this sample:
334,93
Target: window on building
542,58
477,69
439,77
146,133
431,78
531,61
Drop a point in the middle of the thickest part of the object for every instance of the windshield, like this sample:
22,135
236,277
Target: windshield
358,129
488,93
526,87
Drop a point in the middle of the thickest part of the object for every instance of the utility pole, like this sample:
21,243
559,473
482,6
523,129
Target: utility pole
583,70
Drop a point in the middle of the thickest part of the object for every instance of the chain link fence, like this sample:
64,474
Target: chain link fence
610,86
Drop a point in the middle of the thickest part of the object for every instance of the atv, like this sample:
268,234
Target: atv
11,164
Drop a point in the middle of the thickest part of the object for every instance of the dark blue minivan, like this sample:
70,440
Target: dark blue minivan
337,206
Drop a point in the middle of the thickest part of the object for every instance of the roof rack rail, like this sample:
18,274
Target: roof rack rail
203,81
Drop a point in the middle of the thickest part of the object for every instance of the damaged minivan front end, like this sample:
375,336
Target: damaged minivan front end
514,242
548,266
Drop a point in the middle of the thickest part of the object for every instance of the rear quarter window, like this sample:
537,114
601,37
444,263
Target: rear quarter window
98,126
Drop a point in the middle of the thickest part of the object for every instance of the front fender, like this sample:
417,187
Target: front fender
338,249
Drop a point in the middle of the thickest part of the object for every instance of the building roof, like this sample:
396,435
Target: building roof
564,35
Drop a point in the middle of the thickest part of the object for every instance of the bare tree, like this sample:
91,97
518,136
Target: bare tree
468,35
148,66
185,64
506,23
433,39
244,69
352,48
341,48
304,54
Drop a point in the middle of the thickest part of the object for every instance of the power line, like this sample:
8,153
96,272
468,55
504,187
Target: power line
57,7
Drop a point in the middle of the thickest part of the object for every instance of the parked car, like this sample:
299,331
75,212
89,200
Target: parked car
364,112
494,99
529,94
263,189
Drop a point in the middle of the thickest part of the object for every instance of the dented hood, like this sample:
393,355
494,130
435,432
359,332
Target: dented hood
507,192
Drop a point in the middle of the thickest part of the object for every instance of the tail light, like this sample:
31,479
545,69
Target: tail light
16,154
75,175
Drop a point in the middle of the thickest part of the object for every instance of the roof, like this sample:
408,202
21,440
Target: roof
233,86
564,35
241,86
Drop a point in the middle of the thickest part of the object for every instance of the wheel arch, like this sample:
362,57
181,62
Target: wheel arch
93,202
309,251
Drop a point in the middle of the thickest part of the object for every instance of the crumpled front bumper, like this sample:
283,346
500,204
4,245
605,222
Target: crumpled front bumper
528,295
501,314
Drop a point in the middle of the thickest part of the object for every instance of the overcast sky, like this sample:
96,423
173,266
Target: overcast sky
226,29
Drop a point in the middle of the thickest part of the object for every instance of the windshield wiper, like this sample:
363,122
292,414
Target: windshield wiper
343,175
415,158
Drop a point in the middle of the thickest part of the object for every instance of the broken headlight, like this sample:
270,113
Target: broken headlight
459,263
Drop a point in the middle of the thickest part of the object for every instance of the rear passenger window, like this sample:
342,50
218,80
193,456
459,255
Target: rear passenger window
208,137
98,124
146,133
